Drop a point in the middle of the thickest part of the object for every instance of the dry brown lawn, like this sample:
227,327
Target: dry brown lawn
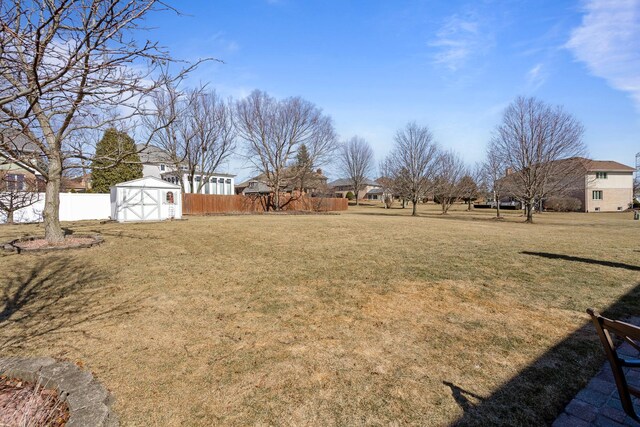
370,317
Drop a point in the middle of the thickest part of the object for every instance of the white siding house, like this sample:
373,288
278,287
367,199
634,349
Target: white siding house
216,183
156,163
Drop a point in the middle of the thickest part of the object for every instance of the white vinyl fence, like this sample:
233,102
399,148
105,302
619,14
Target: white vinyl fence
73,207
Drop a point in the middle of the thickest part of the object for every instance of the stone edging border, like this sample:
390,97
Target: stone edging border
89,401
11,246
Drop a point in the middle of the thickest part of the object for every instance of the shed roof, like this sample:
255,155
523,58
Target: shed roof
147,182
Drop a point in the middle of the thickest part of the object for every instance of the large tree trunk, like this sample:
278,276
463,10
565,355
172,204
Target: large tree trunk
52,230
276,199
414,211
10,216
528,209
357,193
469,202
496,200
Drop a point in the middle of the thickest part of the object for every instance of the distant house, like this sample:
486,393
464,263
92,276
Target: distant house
599,185
375,194
158,164
607,186
258,185
78,184
371,190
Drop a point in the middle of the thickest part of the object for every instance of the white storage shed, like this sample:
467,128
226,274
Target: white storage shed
146,199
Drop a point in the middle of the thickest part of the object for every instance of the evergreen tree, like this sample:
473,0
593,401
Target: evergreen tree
303,161
303,170
105,172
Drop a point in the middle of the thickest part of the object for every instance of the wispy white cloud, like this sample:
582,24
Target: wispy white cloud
536,77
608,42
460,39
220,42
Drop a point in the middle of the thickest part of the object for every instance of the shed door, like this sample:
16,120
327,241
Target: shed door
139,204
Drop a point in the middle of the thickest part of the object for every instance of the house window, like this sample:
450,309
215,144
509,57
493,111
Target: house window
601,175
15,182
597,195
162,168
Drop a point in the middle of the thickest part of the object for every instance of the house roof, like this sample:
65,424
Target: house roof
209,175
15,141
606,166
342,182
16,148
147,182
259,188
589,165
376,191
152,154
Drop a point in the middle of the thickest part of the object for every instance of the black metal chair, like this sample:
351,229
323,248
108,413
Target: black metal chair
630,334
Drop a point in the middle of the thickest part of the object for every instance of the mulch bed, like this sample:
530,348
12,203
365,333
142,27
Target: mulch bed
39,244
27,404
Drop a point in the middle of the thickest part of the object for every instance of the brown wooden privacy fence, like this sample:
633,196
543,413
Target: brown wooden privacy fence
201,204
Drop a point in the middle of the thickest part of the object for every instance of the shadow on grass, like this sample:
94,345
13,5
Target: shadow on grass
585,260
56,295
539,392
462,396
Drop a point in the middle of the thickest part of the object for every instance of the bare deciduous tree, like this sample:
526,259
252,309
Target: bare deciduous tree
449,185
414,161
16,192
66,66
196,132
531,139
356,163
493,173
387,181
274,130
471,185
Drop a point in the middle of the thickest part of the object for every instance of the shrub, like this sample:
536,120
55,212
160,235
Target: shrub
563,204
350,196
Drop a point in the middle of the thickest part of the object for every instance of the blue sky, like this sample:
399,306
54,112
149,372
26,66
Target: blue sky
451,65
